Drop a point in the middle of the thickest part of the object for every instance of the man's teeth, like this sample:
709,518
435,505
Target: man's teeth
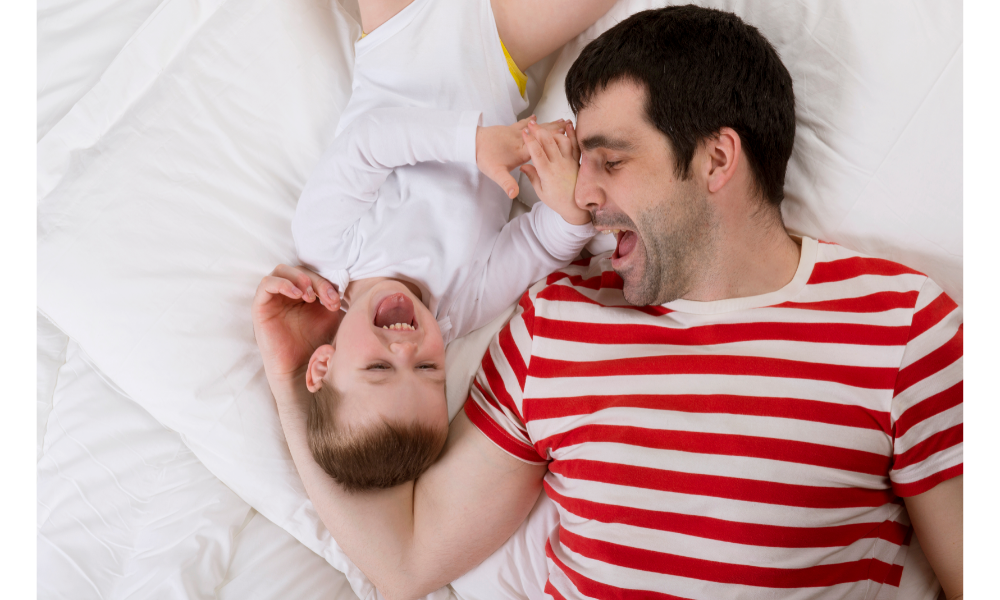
611,231
401,326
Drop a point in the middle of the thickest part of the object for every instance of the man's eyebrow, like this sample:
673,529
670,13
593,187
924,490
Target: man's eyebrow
602,141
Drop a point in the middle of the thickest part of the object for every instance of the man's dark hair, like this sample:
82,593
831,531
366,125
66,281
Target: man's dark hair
702,69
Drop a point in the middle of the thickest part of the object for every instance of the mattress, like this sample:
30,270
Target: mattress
174,136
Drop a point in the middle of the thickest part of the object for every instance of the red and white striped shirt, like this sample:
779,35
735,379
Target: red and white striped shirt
752,447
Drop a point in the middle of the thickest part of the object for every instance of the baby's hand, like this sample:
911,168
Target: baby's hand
501,149
555,163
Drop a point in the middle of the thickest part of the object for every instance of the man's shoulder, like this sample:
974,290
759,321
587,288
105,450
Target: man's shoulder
832,256
856,272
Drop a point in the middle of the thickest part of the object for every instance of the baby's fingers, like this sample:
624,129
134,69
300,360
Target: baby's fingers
532,175
564,144
547,140
279,286
298,278
575,145
308,283
553,126
535,149
505,181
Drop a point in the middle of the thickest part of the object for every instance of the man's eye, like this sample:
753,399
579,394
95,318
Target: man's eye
378,366
612,164
428,366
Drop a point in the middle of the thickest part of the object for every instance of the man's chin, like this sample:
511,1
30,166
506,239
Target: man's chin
636,290
632,288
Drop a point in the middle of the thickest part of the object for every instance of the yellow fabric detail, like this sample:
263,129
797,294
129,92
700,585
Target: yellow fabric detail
519,78
363,34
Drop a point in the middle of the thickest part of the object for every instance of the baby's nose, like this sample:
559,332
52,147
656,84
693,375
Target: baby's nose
402,348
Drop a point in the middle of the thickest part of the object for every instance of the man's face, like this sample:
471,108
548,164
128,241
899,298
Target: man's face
627,182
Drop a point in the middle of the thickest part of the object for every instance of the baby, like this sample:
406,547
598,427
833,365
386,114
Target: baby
404,215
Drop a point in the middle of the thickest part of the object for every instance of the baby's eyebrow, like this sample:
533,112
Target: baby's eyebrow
608,143
376,378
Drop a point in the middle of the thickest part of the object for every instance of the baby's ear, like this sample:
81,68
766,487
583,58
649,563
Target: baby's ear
319,364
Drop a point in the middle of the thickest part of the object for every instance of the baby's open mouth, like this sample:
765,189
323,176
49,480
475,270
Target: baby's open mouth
395,312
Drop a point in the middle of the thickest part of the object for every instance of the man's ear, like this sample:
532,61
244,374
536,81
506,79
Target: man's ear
723,154
319,365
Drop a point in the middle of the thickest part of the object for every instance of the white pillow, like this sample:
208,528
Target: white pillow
877,164
166,193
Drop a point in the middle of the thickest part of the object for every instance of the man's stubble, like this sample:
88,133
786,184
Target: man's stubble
677,242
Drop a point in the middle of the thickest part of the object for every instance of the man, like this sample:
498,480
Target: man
717,408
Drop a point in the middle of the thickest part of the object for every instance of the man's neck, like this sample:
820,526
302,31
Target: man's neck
752,254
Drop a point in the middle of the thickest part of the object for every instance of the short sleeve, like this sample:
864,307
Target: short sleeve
496,399
927,401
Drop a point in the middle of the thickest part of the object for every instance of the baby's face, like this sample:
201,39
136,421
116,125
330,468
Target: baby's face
388,360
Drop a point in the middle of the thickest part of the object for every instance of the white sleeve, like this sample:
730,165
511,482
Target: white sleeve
528,248
345,183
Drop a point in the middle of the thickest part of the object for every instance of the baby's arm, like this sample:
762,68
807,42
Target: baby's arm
345,184
536,243
528,248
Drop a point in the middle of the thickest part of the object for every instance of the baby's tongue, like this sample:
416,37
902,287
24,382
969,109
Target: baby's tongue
397,308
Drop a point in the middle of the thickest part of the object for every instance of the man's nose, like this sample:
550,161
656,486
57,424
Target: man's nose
588,194
403,348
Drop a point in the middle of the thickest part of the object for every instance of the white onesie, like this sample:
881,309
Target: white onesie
398,193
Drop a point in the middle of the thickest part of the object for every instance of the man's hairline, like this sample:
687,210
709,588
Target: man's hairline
599,141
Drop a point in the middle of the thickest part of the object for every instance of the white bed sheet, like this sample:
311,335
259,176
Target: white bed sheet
125,509
77,40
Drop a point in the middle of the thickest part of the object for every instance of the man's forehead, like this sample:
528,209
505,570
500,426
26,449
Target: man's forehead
614,119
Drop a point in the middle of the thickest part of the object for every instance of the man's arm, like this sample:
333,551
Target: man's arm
936,516
415,538
927,422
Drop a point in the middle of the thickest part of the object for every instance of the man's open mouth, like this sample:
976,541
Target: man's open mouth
396,312
626,244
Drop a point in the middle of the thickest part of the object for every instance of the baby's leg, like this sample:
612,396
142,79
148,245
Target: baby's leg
376,12
532,29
